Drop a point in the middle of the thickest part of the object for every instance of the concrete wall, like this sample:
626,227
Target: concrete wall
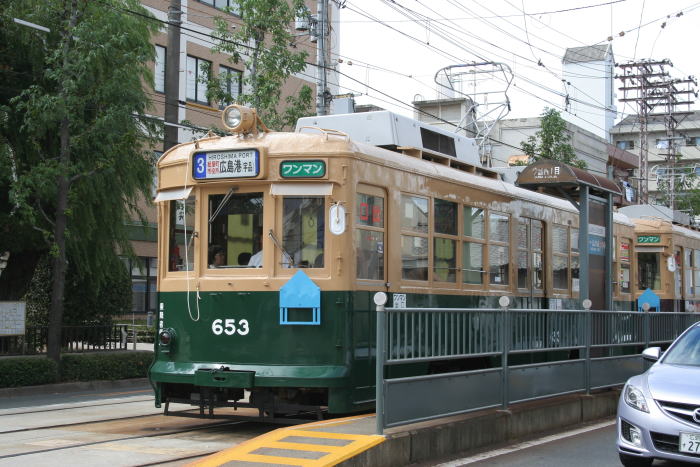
513,132
590,93
432,441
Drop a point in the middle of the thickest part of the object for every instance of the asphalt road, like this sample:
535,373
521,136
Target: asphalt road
593,445
115,425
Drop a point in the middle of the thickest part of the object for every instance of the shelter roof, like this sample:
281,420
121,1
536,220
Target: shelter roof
557,178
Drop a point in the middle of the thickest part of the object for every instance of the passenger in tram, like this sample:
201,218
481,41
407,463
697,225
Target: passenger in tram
218,259
256,260
244,258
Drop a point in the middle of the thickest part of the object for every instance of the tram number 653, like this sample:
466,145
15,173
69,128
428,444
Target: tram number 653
228,326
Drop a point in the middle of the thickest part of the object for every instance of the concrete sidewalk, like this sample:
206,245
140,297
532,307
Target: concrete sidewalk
353,442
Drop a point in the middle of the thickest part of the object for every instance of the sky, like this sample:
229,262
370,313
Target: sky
391,50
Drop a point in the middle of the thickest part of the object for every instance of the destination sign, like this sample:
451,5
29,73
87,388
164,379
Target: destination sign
302,169
648,239
226,164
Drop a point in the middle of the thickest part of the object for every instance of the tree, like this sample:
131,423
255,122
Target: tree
684,195
551,141
75,124
265,46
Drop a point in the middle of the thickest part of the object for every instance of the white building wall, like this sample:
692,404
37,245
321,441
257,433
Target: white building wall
590,93
508,135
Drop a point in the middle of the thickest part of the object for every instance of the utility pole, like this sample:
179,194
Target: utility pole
172,76
647,83
322,84
671,114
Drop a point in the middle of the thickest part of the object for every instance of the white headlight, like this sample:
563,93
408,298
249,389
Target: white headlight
232,117
635,399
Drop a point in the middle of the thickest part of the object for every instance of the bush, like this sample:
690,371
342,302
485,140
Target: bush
27,371
105,366
31,371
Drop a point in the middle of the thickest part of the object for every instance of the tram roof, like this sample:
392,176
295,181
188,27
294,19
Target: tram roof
330,144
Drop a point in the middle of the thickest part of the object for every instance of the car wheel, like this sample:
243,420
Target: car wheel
634,461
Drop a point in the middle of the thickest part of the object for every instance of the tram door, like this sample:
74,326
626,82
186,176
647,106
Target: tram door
369,237
530,268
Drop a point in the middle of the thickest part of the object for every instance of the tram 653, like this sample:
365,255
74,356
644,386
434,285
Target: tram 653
272,245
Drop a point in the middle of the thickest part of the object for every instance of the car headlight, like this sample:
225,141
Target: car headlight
635,399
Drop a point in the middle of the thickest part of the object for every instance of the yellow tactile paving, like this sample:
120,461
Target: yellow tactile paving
324,454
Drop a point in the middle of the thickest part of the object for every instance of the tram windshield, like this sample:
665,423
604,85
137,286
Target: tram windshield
235,230
303,224
181,234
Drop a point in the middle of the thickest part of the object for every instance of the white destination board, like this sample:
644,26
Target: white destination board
12,318
226,164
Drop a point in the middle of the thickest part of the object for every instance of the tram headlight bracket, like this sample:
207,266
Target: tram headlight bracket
166,340
240,119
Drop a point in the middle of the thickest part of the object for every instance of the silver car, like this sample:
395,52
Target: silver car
658,415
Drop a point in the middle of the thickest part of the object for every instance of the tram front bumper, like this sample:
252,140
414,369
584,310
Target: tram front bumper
226,375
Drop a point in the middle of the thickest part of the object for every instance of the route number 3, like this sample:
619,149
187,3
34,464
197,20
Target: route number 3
228,326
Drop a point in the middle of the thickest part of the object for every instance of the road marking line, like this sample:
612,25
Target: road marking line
525,445
337,421
303,446
330,454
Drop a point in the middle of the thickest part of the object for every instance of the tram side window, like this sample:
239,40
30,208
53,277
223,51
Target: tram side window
499,259
369,237
696,271
625,244
649,274
574,260
473,245
235,230
181,235
688,271
530,272
414,240
445,241
303,224
523,243
677,273
560,257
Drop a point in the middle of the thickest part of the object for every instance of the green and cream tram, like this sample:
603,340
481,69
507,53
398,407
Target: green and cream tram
272,245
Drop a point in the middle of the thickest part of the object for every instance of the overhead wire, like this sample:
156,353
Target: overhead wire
458,59
389,97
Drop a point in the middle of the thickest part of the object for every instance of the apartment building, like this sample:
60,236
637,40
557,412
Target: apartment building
196,57
686,144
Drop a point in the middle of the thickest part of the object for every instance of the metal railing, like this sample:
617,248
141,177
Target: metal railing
472,359
139,334
74,339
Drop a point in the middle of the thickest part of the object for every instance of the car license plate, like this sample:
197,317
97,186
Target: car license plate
689,442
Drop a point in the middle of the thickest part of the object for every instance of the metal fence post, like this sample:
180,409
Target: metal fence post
647,324
588,337
380,300
505,336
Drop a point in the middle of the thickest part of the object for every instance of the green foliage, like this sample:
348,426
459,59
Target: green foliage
31,371
686,192
552,141
105,366
38,296
85,302
27,371
262,42
81,84
87,305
